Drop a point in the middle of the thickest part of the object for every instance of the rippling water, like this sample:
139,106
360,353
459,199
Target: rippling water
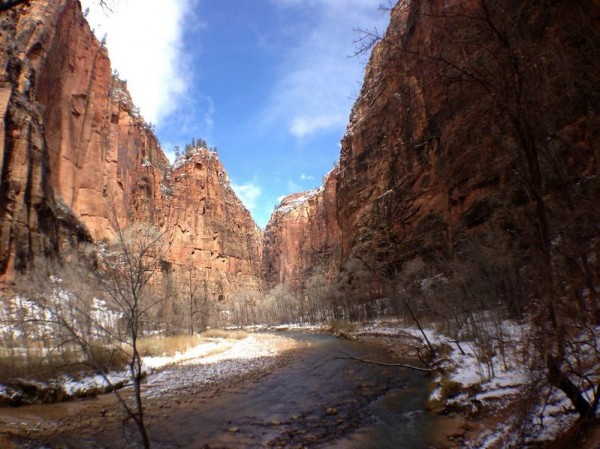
316,401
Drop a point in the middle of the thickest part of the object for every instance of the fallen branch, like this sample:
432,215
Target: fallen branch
393,365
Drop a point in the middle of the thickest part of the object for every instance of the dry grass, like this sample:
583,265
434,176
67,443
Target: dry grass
109,359
33,366
168,346
342,328
226,334
45,366
37,364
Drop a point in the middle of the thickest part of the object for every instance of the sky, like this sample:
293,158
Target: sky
269,83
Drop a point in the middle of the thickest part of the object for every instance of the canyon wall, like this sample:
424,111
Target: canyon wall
212,232
78,159
471,115
302,237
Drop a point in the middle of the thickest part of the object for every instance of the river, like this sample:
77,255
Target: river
320,399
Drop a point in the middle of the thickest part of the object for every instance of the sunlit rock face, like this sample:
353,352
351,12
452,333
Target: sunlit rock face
78,159
77,156
302,237
32,218
211,229
465,117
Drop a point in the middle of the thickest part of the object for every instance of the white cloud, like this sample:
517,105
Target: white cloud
248,193
145,44
305,177
318,79
302,126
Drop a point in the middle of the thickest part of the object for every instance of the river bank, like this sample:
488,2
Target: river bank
305,396
202,372
308,390
487,401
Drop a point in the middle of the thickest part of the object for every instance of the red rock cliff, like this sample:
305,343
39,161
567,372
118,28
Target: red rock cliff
99,145
470,112
212,230
77,157
303,237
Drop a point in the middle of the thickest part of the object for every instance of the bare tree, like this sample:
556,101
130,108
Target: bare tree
194,294
127,271
102,310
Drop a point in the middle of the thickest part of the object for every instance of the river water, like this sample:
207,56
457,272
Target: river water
319,400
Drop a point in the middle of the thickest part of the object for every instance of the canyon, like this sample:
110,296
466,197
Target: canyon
456,144
465,197
480,141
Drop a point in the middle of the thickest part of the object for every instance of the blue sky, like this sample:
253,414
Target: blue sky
270,83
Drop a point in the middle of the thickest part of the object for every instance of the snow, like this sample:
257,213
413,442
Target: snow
213,364
185,158
289,204
216,360
79,387
216,351
24,318
495,391
467,371
195,353
303,327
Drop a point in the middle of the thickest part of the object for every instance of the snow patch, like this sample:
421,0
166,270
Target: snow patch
96,382
289,204
505,384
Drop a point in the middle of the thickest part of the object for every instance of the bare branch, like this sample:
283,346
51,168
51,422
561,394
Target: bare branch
393,365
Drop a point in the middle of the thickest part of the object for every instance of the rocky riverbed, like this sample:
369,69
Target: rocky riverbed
264,391
171,382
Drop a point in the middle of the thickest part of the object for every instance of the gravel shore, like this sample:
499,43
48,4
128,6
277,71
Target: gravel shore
182,381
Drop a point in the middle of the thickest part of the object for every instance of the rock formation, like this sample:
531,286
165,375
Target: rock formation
78,158
471,116
475,121
212,230
303,237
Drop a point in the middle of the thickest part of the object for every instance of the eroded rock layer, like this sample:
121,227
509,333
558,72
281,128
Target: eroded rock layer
303,237
212,230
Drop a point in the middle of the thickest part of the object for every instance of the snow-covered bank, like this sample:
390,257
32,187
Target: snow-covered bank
294,327
214,360
497,401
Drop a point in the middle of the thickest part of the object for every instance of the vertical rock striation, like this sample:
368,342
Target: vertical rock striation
78,159
469,115
302,237
212,230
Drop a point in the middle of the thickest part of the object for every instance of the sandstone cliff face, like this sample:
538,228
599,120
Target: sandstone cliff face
461,123
470,112
99,146
30,222
78,158
302,237
76,155
212,230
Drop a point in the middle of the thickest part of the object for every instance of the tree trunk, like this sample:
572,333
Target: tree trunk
561,381
137,388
